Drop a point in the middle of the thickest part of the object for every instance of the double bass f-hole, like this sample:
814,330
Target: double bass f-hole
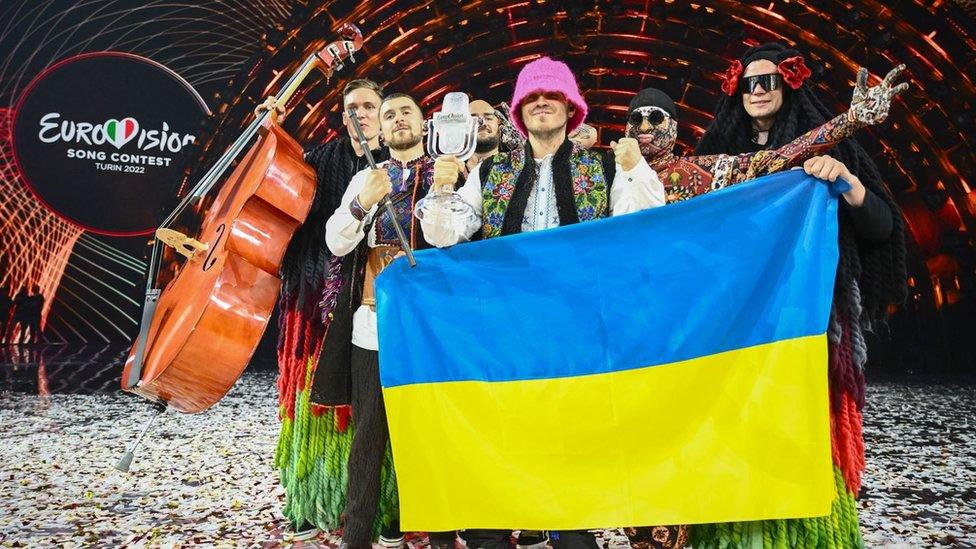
210,260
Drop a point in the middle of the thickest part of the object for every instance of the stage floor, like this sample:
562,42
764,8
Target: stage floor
208,479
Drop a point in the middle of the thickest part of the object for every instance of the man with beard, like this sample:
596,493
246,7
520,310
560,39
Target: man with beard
360,229
492,122
549,182
489,132
496,134
313,493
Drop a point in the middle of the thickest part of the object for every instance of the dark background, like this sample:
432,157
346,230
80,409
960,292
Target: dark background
233,51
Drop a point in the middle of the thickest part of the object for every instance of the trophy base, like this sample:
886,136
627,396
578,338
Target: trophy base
445,208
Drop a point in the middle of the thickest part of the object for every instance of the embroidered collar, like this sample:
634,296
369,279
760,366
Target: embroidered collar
410,162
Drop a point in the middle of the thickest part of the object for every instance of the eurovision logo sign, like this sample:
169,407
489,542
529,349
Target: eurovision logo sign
101,140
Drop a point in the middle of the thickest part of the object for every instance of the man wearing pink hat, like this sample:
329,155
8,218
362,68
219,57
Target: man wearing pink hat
550,181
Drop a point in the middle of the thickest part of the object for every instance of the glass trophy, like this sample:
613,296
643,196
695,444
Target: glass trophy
451,131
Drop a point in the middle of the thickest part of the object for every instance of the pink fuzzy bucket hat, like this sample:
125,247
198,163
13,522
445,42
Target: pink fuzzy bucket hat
546,75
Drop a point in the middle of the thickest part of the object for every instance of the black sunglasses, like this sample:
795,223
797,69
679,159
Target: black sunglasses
653,115
769,82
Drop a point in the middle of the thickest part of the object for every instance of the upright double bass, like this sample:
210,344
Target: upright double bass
199,332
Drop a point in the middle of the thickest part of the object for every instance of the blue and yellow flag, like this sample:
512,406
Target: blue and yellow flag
663,367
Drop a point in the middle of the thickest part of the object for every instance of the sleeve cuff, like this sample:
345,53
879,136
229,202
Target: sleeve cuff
641,169
357,210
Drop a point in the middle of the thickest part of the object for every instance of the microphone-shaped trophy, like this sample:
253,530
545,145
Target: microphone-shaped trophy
452,131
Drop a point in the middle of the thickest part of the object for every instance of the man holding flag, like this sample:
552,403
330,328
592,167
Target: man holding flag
700,328
551,182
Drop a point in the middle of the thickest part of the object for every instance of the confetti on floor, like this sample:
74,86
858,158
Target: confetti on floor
207,479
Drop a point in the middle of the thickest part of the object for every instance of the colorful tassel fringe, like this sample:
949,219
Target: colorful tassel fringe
313,447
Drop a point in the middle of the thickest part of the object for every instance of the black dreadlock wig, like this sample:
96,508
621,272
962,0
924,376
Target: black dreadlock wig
877,269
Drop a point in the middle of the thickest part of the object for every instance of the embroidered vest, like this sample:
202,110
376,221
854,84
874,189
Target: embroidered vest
405,195
586,171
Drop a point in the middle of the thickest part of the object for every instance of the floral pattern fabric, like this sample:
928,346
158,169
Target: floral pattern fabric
590,187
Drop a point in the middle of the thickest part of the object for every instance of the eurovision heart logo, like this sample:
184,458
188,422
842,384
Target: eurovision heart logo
120,132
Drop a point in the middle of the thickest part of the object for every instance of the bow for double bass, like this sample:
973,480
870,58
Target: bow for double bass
199,332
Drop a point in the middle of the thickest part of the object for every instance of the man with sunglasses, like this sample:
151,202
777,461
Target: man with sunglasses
651,120
762,98
762,115
767,113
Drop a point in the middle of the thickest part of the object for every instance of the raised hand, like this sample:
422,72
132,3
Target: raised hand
584,136
870,105
626,152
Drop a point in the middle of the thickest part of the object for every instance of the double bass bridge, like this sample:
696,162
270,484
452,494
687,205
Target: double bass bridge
184,245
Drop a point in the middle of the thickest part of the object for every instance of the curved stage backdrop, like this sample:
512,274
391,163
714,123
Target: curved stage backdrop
75,213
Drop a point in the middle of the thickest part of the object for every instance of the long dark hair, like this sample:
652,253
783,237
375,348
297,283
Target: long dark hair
876,270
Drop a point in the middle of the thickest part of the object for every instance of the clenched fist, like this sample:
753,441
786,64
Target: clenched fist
378,185
627,152
446,171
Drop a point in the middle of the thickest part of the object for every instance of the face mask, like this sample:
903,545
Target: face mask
662,136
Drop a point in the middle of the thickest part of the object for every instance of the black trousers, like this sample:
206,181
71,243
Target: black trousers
368,449
572,539
442,540
34,327
366,456
488,539
366,462
501,539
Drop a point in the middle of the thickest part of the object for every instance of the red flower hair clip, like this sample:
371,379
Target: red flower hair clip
730,78
794,71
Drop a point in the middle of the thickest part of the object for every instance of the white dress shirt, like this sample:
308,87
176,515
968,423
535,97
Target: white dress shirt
343,232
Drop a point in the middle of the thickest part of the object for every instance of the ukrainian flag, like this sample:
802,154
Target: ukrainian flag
663,367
